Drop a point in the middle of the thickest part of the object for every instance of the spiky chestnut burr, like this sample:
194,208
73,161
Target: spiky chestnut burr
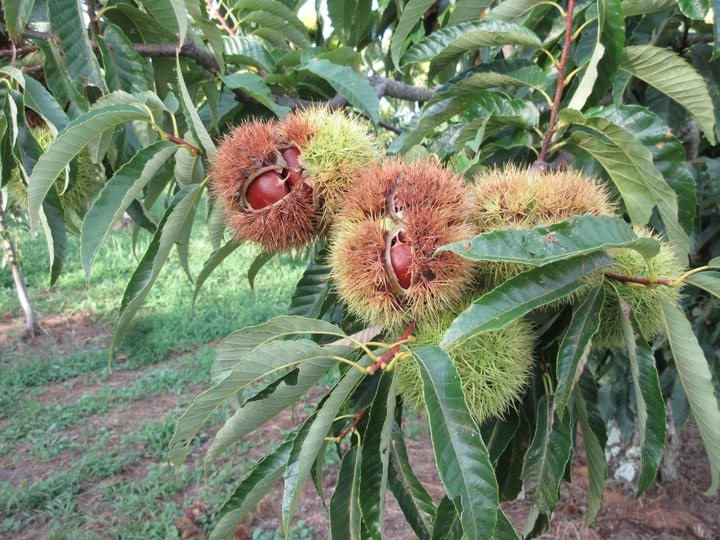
331,149
494,367
261,187
643,302
384,241
514,198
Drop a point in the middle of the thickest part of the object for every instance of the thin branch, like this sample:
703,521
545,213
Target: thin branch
640,280
92,15
18,51
214,12
385,359
540,162
353,426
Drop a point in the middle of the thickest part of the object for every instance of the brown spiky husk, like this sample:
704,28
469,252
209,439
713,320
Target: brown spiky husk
434,213
291,223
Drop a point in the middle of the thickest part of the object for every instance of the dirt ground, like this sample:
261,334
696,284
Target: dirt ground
669,510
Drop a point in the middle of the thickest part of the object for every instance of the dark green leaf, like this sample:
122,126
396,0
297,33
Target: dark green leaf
63,90
468,10
650,405
504,530
312,289
53,221
414,501
353,87
255,87
170,14
509,10
128,64
17,13
709,281
216,257
255,267
447,524
462,459
376,446
575,346
193,119
694,9
705,60
547,457
275,16
248,51
631,8
521,294
138,26
345,517
697,383
578,235
116,196
411,14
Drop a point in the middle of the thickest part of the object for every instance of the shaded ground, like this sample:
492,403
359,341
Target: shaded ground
667,511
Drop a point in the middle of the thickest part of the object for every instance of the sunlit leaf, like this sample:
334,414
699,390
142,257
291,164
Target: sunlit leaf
411,14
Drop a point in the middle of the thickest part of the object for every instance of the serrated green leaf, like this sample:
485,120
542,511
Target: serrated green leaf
704,60
272,15
447,525
411,14
64,91
547,457
605,60
216,257
630,166
462,459
416,504
181,210
353,87
74,138
446,45
709,281
127,63
694,9
248,51
504,530
251,490
521,294
345,516
674,77
468,10
315,439
255,267
17,13
138,25
312,289
509,10
117,194
193,119
269,402
253,85
432,116
240,343
376,445
649,402
53,221
498,73
170,14
575,346
594,436
578,235
697,383
631,8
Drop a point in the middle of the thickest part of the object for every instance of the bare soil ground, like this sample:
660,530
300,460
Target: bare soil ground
668,511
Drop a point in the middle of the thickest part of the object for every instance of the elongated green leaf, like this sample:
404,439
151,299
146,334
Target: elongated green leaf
498,73
594,436
709,281
675,78
313,288
575,346
412,497
254,86
521,294
504,530
630,166
376,445
509,10
237,345
433,116
353,87
279,26
468,10
170,14
630,8
53,221
650,405
279,10
116,196
138,24
216,257
694,9
269,359
462,459
704,60
193,119
411,14
42,102
295,479
17,13
446,45
605,60
578,235
180,211
256,266
76,135
78,59
697,383
251,490
345,517
547,457
70,99
447,524
128,64
248,51
269,402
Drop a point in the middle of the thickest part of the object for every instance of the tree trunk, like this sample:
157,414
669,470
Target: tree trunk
32,328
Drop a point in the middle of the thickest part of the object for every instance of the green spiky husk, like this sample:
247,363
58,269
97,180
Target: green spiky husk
334,149
494,368
643,302
289,224
79,191
434,213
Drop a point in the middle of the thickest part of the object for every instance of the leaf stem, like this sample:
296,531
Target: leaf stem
386,358
353,426
541,160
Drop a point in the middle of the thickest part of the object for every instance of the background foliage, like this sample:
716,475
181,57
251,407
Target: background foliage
627,90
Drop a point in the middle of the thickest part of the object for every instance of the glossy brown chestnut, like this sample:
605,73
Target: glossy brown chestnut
294,170
401,260
266,189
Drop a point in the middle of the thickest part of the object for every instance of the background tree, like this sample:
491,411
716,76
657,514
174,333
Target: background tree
626,90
